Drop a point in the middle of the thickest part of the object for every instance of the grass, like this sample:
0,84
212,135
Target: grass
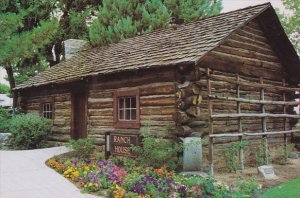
286,190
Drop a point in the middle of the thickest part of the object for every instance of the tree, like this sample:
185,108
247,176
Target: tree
291,21
74,17
188,10
126,18
20,43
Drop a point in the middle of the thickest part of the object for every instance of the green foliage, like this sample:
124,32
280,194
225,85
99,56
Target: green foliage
82,147
188,10
4,89
157,152
231,155
29,131
5,118
291,21
260,154
248,188
126,18
280,156
26,28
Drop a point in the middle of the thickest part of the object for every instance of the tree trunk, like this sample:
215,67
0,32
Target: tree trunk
12,84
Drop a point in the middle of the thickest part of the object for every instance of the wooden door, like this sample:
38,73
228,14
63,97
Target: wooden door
79,115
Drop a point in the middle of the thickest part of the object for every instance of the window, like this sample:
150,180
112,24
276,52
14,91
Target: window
126,109
47,110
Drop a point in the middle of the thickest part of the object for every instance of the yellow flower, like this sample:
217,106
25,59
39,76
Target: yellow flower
76,174
85,186
85,172
87,168
96,185
90,184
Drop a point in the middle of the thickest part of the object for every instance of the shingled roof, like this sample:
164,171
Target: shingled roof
186,43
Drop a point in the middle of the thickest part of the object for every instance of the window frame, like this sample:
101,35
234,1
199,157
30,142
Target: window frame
134,124
49,101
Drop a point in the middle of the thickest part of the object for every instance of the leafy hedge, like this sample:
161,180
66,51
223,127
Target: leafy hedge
29,131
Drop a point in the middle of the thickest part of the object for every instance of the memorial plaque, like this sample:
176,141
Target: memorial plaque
267,171
120,144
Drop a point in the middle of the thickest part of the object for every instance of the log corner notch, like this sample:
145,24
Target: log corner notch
188,101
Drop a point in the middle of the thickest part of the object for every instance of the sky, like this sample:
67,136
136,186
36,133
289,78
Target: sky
228,5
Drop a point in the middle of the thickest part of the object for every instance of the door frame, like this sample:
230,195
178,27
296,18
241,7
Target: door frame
73,95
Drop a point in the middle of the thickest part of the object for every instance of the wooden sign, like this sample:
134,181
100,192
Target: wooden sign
120,144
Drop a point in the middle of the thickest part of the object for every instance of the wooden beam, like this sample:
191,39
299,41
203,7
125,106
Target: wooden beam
284,124
253,133
253,115
253,84
263,122
210,125
289,103
238,104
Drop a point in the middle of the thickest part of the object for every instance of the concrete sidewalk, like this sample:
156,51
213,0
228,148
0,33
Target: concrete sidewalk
23,174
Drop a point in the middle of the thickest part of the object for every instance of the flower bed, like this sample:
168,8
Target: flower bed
128,180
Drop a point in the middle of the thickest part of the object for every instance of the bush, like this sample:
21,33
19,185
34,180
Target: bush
231,155
29,131
5,118
82,147
248,188
157,152
279,156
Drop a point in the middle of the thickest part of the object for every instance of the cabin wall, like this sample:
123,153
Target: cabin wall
61,99
246,53
157,98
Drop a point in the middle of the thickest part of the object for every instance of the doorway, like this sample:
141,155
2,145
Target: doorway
79,115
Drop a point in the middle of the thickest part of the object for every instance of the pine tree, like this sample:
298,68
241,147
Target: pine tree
188,10
72,23
126,18
21,36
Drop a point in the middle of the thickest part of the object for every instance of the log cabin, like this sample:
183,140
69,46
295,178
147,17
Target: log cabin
228,77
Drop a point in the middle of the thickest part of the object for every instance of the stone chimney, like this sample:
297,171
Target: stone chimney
73,46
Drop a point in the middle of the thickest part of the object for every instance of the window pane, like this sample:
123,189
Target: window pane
133,102
121,114
50,115
133,114
127,115
127,102
121,103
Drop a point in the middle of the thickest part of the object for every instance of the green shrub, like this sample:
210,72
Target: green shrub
157,152
248,188
5,118
279,156
82,147
231,155
260,154
29,131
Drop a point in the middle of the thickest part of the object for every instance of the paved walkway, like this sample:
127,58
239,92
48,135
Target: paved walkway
23,174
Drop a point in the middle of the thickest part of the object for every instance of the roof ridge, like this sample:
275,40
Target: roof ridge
198,59
94,60
184,24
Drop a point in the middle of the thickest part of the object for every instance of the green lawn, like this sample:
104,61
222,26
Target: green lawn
289,189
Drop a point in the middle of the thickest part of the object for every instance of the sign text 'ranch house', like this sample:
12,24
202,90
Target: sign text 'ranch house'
120,144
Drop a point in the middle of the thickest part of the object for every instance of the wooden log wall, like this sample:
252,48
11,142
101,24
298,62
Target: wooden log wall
248,54
61,128
157,99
